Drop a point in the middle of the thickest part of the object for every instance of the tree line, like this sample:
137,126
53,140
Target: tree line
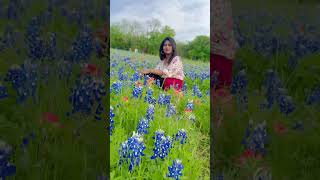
147,38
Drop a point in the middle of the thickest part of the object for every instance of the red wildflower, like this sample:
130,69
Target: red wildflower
50,117
248,153
280,128
138,83
125,99
150,81
91,69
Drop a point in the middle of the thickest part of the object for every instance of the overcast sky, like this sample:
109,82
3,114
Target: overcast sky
188,18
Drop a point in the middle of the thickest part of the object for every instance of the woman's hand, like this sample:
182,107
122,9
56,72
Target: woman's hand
144,71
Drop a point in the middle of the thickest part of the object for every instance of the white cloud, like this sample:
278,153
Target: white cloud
189,18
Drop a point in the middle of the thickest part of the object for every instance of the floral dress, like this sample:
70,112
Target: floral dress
173,70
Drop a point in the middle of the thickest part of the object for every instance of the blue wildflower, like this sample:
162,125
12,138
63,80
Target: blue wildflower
190,105
148,98
256,138
3,92
181,136
239,88
313,97
99,111
137,91
150,112
117,86
132,150
6,168
171,110
111,120
143,126
135,76
196,91
161,99
162,144
175,171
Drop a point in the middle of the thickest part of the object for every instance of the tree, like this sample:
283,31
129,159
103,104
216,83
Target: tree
199,48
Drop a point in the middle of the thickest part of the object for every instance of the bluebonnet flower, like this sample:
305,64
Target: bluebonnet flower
35,44
150,112
117,86
190,105
196,91
171,110
313,97
83,46
148,98
192,75
132,150
161,99
23,79
158,83
175,171
99,90
31,78
181,136
162,144
146,78
50,51
3,92
121,75
16,76
239,88
6,168
26,140
12,12
286,104
111,114
298,126
9,38
167,100
135,76
143,126
185,88
256,138
137,91
272,84
99,111
82,95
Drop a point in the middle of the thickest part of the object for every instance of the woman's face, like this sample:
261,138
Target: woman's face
167,47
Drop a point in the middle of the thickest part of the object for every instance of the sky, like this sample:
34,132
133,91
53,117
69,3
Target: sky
189,18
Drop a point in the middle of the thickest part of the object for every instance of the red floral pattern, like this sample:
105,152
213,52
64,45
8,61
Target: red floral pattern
173,70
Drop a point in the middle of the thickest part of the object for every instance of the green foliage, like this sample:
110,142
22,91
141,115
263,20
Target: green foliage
199,48
128,35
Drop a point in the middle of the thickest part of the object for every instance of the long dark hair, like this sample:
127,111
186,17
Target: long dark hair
174,49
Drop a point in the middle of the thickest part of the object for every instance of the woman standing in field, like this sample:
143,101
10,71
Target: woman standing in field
223,47
169,71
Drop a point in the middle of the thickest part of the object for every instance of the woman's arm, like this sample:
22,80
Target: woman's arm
153,71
